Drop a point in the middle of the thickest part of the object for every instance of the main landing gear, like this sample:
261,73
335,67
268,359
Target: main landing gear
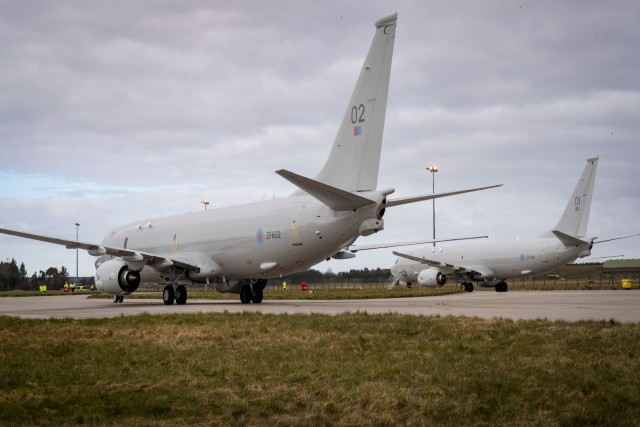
174,293
502,287
252,292
118,298
467,286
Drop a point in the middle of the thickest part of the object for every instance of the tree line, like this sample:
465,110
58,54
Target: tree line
14,277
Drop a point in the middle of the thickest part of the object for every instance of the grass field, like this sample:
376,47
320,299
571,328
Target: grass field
38,294
347,370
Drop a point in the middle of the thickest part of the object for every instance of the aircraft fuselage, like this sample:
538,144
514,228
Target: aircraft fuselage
506,260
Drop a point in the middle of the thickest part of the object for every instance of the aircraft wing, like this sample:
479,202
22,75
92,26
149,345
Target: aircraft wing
355,249
97,249
413,199
333,197
432,263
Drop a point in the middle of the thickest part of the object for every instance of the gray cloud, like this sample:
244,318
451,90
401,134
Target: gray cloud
148,107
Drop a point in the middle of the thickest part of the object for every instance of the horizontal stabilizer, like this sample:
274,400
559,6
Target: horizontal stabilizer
414,199
617,238
569,240
334,198
355,249
99,249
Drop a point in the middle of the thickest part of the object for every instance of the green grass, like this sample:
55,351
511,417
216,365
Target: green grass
320,294
38,294
350,370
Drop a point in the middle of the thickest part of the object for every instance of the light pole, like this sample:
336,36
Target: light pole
205,203
77,226
433,170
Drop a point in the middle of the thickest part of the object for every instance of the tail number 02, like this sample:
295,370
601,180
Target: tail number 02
354,114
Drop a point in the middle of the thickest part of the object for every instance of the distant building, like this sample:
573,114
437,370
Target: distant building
621,269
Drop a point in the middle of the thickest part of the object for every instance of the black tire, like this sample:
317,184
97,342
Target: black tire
499,287
168,295
469,287
121,298
116,299
181,295
257,296
463,286
505,287
245,294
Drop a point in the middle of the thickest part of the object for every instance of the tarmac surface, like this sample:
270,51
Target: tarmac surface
620,305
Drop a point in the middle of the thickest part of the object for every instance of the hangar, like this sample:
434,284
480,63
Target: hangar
621,269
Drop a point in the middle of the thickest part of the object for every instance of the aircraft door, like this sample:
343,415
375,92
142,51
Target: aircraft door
295,222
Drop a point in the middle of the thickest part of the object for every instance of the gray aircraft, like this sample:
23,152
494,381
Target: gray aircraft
490,264
238,248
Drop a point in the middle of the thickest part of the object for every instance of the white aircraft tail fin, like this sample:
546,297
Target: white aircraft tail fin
354,159
575,217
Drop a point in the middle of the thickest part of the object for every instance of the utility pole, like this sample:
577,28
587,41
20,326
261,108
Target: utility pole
433,170
205,203
77,226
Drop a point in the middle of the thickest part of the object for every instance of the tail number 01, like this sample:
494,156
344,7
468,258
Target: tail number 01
354,114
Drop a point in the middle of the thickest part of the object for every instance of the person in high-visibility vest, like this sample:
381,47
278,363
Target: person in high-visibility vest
284,285
41,289
66,285
73,287
45,288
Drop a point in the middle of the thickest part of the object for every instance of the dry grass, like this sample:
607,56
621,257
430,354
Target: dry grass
345,370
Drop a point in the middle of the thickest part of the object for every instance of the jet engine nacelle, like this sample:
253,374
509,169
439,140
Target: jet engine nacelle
114,277
431,278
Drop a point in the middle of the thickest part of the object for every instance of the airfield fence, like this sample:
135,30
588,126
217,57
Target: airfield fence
576,282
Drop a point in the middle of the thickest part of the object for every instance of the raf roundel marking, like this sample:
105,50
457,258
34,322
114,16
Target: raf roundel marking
260,236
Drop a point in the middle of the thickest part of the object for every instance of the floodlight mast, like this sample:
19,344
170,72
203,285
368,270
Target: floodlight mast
77,224
433,170
205,203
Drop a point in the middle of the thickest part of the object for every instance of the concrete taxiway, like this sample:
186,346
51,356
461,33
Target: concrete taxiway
623,306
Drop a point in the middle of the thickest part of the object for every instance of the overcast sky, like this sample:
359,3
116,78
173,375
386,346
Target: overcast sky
113,111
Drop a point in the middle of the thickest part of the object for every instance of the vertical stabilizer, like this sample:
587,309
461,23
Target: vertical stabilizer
355,156
575,217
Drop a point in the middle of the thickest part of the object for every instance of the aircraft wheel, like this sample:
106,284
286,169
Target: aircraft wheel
245,294
181,295
168,295
121,298
463,286
116,299
257,296
499,287
505,287
469,287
